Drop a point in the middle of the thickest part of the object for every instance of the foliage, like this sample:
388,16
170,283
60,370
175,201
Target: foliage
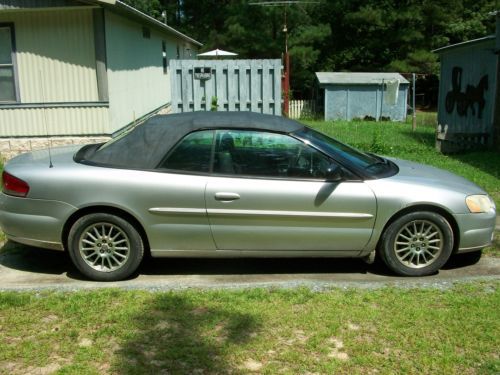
352,35
214,106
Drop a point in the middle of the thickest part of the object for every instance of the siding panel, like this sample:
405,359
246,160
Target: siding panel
55,55
54,121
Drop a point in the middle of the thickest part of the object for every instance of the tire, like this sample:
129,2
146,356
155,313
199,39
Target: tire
105,247
417,244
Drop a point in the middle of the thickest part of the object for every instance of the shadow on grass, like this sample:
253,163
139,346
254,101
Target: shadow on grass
487,161
175,334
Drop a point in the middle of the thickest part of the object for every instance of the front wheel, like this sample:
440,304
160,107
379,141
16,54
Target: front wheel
417,244
105,247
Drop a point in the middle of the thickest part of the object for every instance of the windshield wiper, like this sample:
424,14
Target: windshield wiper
380,161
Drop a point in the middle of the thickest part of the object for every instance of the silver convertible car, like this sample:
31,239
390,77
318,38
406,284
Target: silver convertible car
237,185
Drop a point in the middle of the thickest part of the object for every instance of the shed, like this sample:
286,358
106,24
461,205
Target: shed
468,94
351,96
78,70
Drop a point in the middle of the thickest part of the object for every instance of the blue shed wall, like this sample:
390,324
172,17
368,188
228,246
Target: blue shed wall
467,88
347,102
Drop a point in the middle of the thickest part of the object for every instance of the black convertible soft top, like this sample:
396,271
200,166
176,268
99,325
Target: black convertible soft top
145,145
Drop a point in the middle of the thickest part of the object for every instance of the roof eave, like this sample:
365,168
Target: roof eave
462,44
118,5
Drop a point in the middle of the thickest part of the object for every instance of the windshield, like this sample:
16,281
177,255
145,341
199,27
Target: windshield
369,163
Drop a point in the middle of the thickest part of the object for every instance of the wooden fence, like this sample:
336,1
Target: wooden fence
226,85
301,108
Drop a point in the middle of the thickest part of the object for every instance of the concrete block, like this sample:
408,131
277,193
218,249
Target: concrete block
55,142
98,139
7,155
4,145
22,144
39,144
80,141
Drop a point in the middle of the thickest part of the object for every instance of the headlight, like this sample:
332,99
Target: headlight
479,203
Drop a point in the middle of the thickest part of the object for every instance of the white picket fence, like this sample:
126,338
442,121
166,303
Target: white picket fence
301,108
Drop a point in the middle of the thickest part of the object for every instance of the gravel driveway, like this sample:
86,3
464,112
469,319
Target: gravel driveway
27,268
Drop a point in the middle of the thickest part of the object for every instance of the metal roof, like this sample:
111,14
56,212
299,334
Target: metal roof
467,43
349,78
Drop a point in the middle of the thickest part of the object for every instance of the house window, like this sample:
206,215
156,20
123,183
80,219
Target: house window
164,55
8,92
178,53
146,32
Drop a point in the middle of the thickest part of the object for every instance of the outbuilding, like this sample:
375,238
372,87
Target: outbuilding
468,107
76,70
379,96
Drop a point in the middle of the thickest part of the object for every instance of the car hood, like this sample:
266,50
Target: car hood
421,174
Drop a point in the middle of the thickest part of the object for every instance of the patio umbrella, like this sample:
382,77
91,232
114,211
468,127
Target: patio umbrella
217,53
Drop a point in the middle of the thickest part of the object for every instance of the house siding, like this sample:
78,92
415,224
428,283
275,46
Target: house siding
56,54
56,64
54,121
136,82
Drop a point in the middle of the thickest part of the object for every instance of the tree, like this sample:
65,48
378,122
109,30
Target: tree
333,35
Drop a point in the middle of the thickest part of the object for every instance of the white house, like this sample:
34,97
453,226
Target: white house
76,70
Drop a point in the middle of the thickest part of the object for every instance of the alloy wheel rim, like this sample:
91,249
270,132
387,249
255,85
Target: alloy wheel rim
418,244
105,247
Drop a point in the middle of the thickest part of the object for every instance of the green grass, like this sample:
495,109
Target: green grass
390,330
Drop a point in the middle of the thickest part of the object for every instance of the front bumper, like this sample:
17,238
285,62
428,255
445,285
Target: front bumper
476,230
34,222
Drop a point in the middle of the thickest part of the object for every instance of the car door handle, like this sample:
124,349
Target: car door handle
226,196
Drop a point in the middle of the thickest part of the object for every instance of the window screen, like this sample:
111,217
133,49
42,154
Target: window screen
164,56
7,72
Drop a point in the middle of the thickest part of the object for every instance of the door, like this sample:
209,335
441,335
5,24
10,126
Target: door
269,193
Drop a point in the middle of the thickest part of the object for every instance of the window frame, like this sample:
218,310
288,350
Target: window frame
353,176
13,64
164,56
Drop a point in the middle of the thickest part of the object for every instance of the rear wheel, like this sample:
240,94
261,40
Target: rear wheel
417,244
105,247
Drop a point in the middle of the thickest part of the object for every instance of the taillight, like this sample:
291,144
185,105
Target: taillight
14,186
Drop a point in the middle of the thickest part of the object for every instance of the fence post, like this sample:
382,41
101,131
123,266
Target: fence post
414,110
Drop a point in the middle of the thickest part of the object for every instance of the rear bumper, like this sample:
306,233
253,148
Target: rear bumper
34,222
476,230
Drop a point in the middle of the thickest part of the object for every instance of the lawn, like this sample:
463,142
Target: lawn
352,331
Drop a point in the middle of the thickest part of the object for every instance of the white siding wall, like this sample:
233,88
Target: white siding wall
58,46
137,84
56,63
53,121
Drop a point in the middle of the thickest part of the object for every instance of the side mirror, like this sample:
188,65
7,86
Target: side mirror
334,173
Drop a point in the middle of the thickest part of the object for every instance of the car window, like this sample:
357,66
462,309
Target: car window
264,154
192,153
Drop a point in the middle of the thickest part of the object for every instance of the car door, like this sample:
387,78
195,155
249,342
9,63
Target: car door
268,192
176,198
